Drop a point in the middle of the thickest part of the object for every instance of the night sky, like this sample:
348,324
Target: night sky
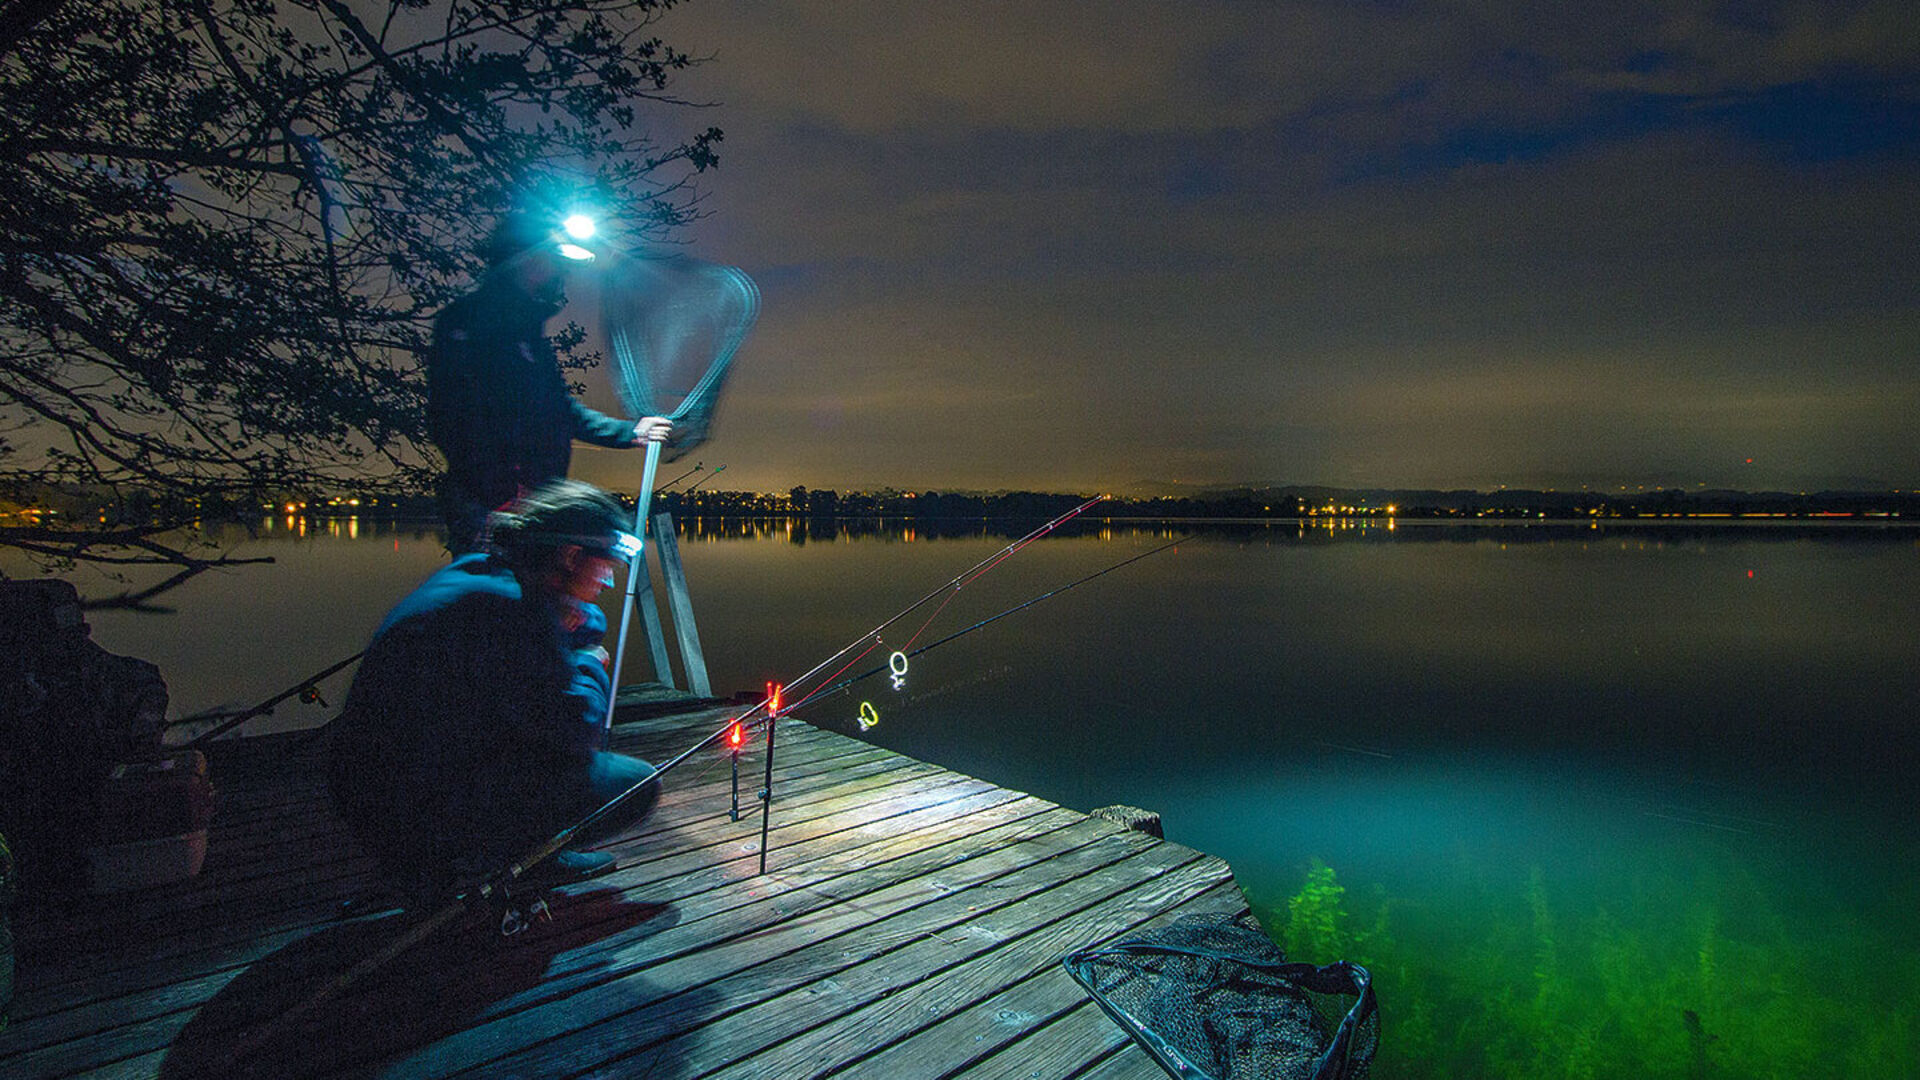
1150,247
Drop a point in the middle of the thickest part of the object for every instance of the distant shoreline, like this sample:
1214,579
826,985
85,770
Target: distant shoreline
1310,504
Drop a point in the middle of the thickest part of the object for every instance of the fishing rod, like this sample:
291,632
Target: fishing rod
500,884
718,469
697,466
306,688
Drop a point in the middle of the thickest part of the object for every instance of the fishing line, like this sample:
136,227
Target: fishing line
989,620
974,574
872,637
771,703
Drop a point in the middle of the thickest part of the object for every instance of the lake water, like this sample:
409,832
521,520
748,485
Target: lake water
1589,800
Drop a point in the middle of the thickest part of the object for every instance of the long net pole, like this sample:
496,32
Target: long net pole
635,567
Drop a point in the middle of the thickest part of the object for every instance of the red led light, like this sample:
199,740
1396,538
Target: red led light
773,699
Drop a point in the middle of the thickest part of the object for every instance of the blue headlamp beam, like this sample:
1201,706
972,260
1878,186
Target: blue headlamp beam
576,227
625,546
621,545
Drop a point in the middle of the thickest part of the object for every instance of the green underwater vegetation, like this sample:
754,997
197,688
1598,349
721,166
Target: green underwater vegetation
1690,972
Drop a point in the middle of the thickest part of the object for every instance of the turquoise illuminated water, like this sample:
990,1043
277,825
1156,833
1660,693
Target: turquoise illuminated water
1614,801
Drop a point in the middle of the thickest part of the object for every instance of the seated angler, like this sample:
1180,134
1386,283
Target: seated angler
475,727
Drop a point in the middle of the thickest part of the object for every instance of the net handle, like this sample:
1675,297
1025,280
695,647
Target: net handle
635,567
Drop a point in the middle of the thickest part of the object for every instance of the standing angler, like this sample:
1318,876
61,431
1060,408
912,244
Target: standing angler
497,403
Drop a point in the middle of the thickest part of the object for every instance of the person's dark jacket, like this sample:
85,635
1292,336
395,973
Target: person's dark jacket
470,686
497,403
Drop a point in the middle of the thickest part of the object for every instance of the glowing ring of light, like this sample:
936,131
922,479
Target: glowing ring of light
869,716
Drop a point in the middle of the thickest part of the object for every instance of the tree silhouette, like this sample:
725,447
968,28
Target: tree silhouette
225,224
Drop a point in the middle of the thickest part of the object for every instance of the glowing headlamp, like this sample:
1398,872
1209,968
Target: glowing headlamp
577,227
621,545
624,547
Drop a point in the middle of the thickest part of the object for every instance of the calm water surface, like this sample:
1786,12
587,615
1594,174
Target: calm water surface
1617,801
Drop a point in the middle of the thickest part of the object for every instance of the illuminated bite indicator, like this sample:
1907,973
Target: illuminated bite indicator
897,663
773,700
734,735
869,716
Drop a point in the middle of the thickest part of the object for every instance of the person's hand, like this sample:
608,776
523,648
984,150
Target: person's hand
581,624
652,429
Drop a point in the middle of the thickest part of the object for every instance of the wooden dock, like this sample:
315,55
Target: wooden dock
910,925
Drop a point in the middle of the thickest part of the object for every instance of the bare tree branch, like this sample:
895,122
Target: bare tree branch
224,227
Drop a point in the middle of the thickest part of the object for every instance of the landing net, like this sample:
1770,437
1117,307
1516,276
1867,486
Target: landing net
672,324
1212,998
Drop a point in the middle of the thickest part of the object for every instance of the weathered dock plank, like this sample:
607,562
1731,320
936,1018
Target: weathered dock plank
910,925
120,930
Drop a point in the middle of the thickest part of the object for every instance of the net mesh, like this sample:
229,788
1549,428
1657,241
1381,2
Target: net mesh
672,324
1210,997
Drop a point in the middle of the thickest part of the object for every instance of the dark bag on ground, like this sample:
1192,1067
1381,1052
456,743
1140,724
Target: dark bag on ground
69,712
1210,997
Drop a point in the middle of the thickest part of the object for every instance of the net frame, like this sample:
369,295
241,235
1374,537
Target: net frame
673,304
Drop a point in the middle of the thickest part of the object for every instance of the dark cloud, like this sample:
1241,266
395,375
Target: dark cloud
1105,244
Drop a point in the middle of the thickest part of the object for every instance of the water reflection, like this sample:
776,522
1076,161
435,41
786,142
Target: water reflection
1590,798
